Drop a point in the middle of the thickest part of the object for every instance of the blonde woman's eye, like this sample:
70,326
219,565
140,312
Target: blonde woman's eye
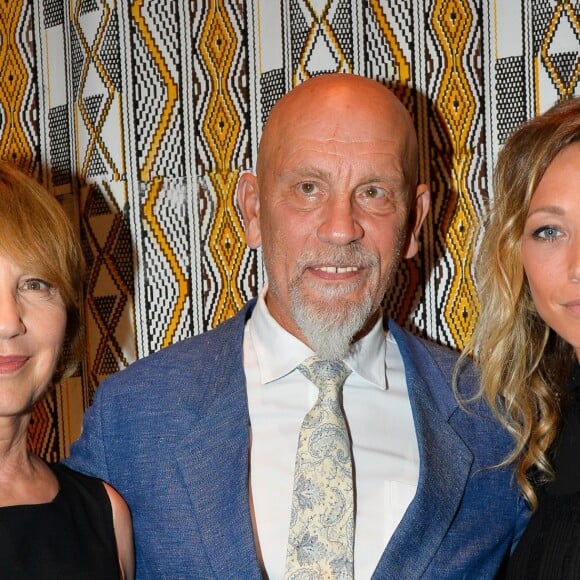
546,233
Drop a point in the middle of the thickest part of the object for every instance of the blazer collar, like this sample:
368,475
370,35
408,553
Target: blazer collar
445,464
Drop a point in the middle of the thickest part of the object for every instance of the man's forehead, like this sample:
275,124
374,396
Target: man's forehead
386,155
347,125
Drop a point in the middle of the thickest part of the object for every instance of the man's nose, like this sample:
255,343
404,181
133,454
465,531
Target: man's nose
339,225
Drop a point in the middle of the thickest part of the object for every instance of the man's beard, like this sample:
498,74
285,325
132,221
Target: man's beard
330,322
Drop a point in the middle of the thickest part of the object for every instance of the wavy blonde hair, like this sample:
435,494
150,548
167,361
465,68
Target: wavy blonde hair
36,232
523,362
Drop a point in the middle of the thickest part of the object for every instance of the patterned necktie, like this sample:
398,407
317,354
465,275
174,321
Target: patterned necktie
321,538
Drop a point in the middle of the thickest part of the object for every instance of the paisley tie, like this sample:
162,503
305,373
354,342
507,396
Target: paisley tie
321,537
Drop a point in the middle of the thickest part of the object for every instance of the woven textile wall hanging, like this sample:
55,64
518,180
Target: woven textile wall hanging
141,115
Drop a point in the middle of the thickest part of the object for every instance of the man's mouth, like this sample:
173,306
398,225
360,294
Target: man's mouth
337,269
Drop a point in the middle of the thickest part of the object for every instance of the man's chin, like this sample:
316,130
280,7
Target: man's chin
331,312
322,299
332,290
330,325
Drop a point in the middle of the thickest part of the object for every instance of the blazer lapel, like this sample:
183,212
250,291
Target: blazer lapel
214,460
445,464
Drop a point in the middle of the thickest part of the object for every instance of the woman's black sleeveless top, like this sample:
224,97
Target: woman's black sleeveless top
70,538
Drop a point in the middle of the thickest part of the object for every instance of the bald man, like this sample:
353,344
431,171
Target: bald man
201,438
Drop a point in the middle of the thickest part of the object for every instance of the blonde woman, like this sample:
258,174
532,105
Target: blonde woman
54,522
527,341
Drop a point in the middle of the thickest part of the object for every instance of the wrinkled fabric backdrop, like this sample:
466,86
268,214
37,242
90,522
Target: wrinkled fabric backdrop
141,115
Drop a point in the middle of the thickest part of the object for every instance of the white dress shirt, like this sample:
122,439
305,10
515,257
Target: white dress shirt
378,412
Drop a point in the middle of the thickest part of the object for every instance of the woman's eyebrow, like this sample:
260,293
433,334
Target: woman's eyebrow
553,209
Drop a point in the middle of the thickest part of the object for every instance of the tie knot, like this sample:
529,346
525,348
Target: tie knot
325,374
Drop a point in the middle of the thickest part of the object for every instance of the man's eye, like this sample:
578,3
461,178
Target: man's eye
308,187
373,192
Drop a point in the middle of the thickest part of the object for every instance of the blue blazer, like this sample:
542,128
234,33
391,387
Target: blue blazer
171,433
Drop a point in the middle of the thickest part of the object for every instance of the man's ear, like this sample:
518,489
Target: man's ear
248,195
419,210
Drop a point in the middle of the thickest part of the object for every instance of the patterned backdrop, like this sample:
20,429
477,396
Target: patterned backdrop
141,115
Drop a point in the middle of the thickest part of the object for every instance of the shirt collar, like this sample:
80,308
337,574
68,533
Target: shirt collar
278,352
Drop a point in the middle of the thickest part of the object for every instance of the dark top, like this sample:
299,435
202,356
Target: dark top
71,537
550,546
